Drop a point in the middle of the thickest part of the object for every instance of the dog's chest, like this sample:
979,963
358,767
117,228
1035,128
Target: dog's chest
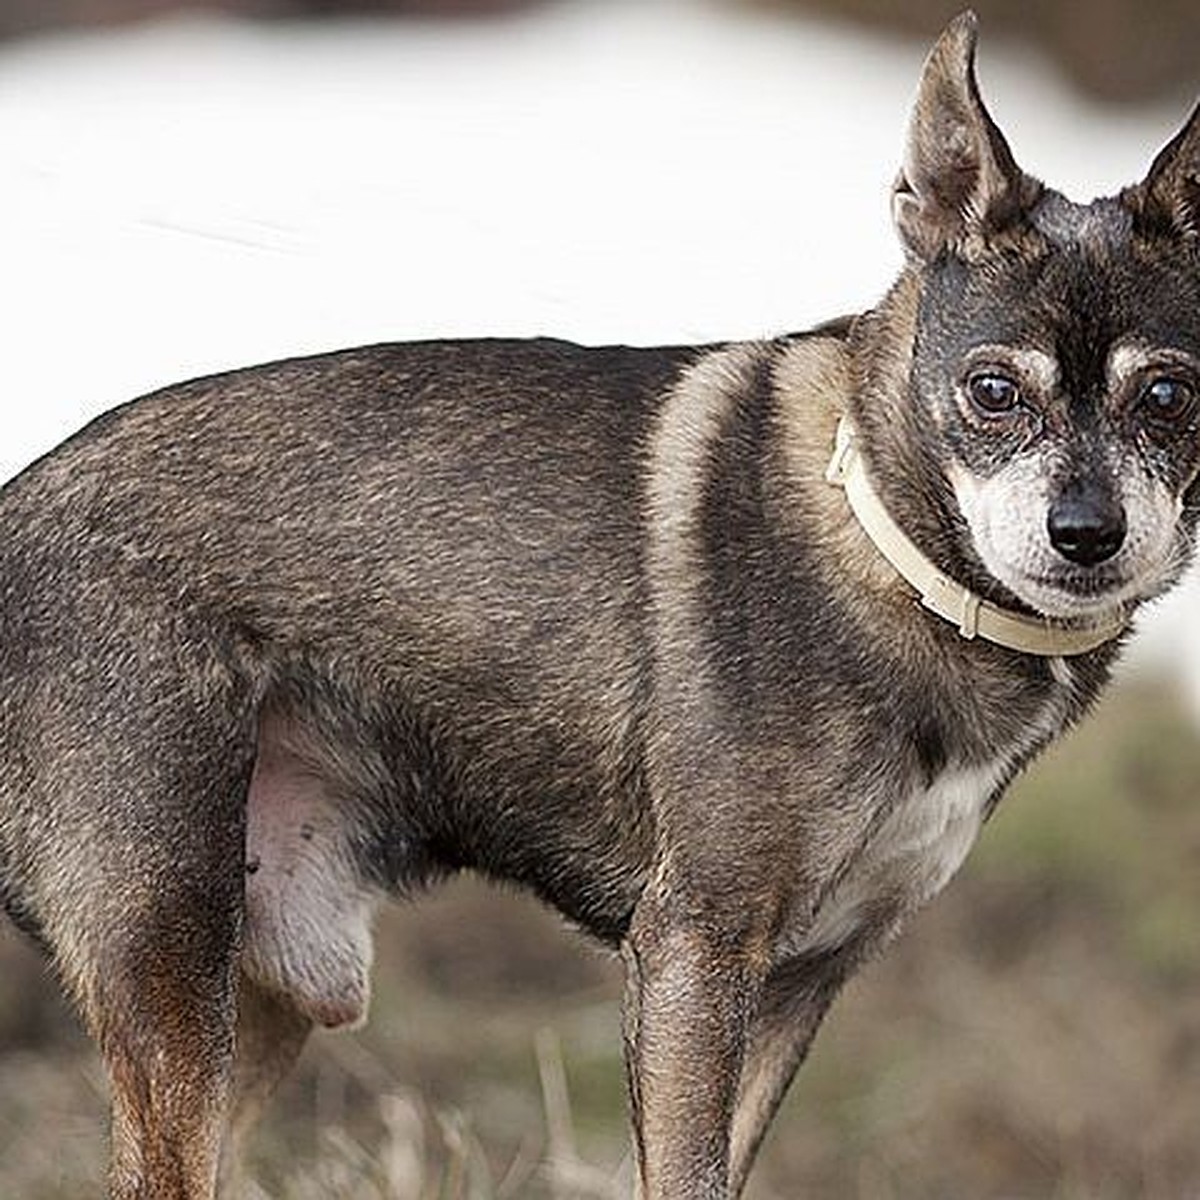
911,857
915,850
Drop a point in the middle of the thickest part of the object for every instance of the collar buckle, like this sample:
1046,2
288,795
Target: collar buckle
843,454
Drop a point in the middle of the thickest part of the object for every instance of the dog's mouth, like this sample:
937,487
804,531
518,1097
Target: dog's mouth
1073,593
1093,585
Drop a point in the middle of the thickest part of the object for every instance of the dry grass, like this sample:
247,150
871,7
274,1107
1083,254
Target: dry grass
1036,1035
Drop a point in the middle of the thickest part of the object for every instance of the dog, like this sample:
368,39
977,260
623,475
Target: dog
726,652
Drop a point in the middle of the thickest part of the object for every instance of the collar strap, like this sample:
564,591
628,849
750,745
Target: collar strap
974,616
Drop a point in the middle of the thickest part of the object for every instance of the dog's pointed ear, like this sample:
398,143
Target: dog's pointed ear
1168,199
959,182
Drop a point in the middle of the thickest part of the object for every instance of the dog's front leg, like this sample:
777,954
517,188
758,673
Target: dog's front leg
690,993
793,1002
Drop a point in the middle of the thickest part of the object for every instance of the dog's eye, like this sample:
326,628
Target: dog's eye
1167,400
993,394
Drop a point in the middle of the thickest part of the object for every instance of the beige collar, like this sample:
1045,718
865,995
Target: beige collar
974,616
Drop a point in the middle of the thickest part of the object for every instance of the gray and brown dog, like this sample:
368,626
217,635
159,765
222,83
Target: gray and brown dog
279,644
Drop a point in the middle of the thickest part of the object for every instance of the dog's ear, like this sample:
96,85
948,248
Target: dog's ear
1168,199
959,183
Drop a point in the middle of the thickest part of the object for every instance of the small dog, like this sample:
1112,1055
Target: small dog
636,628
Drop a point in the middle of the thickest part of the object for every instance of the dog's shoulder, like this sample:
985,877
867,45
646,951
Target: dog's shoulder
788,391
736,503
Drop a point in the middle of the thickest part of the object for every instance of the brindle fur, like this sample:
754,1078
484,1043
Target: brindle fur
589,620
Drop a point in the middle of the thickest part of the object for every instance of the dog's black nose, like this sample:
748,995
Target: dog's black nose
1086,524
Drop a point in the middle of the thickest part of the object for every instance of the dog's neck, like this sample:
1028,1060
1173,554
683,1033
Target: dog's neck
984,695
912,488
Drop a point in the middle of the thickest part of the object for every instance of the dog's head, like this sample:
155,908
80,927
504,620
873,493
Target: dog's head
1055,371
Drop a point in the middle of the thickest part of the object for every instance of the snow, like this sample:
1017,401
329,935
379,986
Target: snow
199,193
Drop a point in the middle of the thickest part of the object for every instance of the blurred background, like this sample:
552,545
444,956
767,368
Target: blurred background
189,188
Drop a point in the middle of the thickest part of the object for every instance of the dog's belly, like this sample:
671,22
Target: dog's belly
913,854
333,828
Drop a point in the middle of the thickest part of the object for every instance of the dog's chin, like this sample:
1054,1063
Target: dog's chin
1074,595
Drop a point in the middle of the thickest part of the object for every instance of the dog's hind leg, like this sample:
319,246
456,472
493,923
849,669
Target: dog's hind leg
271,1032
141,896
306,946
153,965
